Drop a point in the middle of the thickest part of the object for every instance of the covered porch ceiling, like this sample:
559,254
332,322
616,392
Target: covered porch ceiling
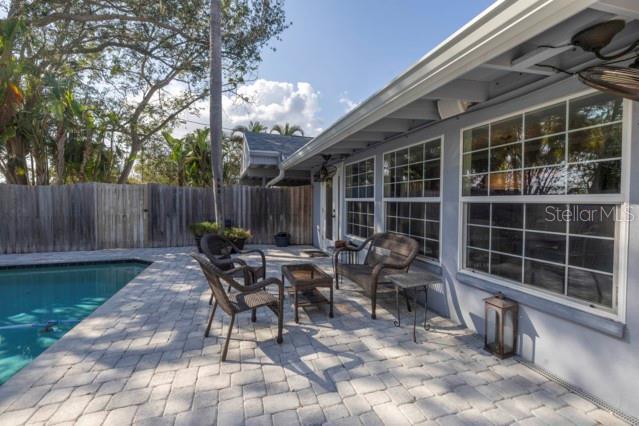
505,52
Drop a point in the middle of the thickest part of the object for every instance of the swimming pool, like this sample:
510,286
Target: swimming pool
39,304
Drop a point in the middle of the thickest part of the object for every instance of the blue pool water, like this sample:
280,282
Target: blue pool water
32,297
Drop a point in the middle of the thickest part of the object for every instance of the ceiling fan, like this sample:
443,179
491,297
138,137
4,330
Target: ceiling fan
326,171
617,80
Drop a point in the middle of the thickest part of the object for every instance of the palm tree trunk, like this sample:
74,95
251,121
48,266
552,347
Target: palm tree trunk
215,107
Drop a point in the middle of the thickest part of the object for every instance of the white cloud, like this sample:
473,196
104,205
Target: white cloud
348,103
269,102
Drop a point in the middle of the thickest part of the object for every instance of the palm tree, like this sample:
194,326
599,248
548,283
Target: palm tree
215,106
253,127
287,129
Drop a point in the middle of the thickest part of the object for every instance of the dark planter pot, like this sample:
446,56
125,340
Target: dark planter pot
282,239
238,242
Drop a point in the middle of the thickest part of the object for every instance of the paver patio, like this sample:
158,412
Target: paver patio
142,358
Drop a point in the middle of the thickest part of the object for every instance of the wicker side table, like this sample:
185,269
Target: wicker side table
305,279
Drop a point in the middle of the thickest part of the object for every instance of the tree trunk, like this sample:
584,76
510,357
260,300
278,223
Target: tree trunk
136,144
16,172
60,141
215,107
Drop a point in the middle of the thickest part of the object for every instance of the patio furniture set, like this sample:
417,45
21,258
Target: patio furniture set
386,262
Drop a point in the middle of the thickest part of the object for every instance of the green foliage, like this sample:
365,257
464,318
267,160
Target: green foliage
287,129
198,229
90,86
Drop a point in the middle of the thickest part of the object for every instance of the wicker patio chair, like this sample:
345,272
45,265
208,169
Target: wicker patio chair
219,250
387,253
248,297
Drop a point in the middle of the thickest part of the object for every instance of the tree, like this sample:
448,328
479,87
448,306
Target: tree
141,62
215,107
287,129
253,127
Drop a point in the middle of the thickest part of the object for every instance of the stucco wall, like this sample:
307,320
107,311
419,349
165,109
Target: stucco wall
605,366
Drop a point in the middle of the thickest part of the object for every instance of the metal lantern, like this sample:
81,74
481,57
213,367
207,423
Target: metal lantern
500,326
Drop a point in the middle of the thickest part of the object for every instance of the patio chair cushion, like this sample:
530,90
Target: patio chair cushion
361,274
245,301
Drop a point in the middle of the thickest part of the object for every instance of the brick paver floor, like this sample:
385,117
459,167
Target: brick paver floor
141,358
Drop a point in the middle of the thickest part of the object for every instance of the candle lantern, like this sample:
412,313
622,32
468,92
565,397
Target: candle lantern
500,326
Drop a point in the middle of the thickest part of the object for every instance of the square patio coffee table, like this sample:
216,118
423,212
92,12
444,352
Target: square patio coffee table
305,279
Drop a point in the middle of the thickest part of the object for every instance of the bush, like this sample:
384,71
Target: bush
198,229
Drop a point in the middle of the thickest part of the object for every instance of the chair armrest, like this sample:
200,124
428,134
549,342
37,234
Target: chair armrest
350,248
260,252
377,269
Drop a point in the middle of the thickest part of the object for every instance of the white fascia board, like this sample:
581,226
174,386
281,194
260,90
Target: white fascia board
503,26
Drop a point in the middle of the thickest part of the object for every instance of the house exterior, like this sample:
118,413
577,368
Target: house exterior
514,178
262,154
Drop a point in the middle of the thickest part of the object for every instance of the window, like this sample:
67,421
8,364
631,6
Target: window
572,147
565,249
412,178
360,192
561,167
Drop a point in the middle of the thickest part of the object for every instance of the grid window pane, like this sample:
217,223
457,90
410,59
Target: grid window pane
360,218
602,177
545,276
475,162
595,109
546,121
414,172
419,220
547,217
359,181
476,138
566,249
590,286
545,151
504,266
505,131
549,157
571,148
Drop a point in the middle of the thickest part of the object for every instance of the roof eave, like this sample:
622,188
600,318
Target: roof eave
501,27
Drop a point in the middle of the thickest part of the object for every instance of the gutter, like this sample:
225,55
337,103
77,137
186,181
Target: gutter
279,176
502,26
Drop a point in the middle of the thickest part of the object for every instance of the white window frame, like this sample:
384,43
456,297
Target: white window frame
419,199
620,270
366,199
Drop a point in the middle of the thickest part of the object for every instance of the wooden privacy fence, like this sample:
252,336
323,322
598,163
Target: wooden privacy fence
98,216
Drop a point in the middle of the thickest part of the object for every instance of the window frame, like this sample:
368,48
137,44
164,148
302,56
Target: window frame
621,199
422,199
366,199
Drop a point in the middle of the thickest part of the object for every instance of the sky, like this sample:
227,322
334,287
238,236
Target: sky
337,53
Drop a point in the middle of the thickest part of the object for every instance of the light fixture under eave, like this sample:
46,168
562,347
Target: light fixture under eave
620,81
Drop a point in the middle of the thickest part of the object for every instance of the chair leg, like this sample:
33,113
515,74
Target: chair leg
254,315
407,300
280,322
211,299
228,338
373,305
208,327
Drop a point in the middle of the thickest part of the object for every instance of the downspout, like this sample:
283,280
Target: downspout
280,175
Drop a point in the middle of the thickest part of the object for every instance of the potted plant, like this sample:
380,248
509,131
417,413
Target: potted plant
237,236
198,230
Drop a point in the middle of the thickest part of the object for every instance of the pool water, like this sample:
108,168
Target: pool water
39,304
